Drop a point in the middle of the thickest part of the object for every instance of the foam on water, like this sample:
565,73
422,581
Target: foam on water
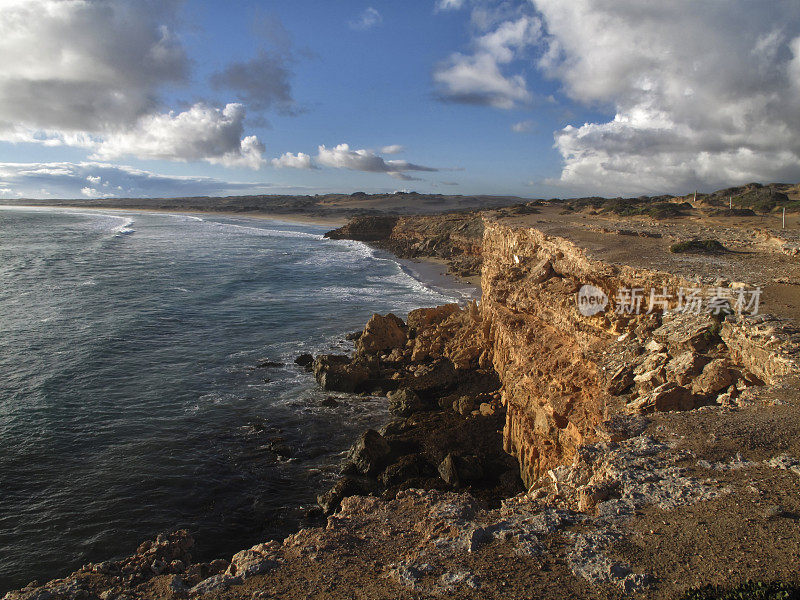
130,402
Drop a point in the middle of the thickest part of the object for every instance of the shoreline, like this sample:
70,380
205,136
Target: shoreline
713,449
431,272
286,217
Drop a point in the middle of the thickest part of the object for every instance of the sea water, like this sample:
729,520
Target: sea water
130,398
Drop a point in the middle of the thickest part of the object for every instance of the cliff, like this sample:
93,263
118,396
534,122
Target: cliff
660,449
566,375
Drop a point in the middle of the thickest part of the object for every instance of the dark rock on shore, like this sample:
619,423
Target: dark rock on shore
305,361
369,453
447,433
404,402
267,364
365,229
339,373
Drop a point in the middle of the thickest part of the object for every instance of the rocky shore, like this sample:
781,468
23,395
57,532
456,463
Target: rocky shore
537,450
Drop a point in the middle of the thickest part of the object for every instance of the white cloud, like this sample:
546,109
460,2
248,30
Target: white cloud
89,74
93,193
368,19
80,65
704,94
69,180
393,149
200,133
523,126
342,157
478,78
293,161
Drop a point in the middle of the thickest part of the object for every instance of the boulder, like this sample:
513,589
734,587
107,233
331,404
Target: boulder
541,272
646,382
344,487
486,409
404,402
716,376
423,317
620,380
686,331
464,405
406,468
665,397
251,562
382,333
455,470
470,469
369,453
338,373
651,363
305,360
437,377
215,584
448,471
685,367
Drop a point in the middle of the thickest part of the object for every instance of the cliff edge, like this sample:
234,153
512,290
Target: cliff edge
659,445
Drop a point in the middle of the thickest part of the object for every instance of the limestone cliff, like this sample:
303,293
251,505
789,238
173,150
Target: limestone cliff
566,376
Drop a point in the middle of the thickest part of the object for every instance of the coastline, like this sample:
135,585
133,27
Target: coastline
286,217
601,479
431,272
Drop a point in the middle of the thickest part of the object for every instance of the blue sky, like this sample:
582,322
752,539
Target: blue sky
535,98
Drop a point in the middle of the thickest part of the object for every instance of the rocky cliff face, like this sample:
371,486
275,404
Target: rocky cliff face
566,376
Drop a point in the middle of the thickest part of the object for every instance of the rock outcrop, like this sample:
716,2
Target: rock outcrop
609,416
455,238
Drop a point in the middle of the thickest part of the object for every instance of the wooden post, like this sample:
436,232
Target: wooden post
695,197
783,226
730,203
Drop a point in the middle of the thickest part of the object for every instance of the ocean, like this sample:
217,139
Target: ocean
130,398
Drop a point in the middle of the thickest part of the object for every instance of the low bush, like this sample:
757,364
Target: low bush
698,246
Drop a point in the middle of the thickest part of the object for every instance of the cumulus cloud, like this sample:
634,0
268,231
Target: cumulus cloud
263,82
703,94
89,74
293,161
393,149
200,133
478,78
367,20
342,157
81,65
100,180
